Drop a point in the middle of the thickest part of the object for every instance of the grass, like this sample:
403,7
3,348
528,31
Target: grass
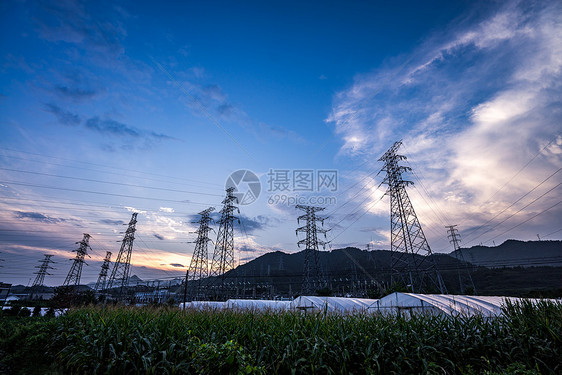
527,340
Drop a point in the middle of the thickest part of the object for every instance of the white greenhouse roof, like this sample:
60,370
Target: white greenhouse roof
407,303
203,305
444,304
332,304
256,304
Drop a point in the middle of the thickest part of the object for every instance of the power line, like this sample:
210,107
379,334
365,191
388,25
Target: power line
523,167
355,210
510,216
109,182
443,218
550,234
518,200
356,220
99,193
99,165
532,217
349,188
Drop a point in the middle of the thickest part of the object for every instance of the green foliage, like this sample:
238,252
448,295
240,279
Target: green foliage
25,344
116,340
62,297
66,296
227,358
37,311
12,311
24,312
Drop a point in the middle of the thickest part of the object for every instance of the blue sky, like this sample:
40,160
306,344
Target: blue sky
112,107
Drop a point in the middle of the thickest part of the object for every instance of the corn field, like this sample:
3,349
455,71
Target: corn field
121,340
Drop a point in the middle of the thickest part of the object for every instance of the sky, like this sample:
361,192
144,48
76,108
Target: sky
109,108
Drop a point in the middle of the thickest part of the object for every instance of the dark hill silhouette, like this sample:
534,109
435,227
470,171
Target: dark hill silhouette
513,253
530,270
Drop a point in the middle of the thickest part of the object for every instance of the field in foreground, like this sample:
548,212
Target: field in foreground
527,340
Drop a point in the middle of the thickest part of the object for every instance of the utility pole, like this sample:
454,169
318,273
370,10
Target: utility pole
75,273
411,263
198,269
312,276
120,274
43,270
102,278
454,238
223,256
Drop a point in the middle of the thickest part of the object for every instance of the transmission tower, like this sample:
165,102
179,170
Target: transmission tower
43,270
102,278
199,266
120,274
454,238
223,256
312,275
410,261
73,277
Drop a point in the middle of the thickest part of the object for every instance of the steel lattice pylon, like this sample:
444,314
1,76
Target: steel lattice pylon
223,256
75,273
199,267
454,238
410,261
43,270
102,278
120,274
312,275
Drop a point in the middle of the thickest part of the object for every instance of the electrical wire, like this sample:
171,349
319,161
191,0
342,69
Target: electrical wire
99,193
109,182
99,165
515,202
529,219
510,216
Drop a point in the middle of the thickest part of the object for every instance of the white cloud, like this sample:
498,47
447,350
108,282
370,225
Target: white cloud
472,106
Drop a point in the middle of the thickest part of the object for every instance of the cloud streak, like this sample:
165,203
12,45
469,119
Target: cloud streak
75,92
63,117
37,216
106,126
72,22
112,127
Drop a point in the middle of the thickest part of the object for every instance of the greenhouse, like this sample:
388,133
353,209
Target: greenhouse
403,303
252,304
443,304
203,305
332,304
